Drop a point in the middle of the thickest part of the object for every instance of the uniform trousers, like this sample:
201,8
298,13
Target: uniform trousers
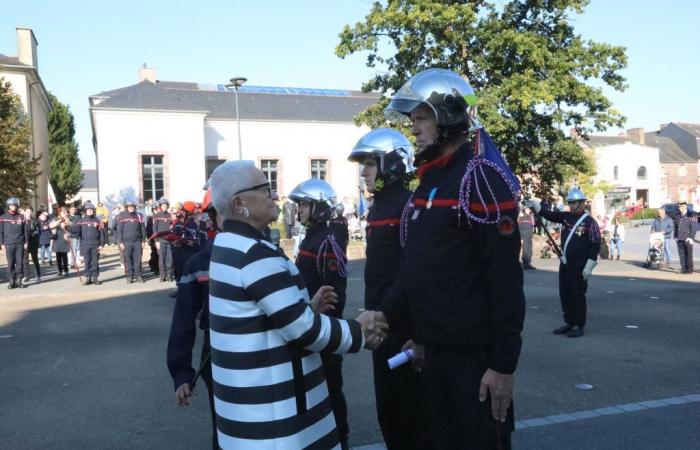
572,293
527,247
165,260
90,259
333,367
132,258
462,422
15,261
34,253
685,253
402,399
208,381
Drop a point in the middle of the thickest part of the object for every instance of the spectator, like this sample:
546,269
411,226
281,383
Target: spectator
664,224
32,244
617,238
45,238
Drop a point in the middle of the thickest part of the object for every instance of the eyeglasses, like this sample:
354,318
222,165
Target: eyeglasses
257,188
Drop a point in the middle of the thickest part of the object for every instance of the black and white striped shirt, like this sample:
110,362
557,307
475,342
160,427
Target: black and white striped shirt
269,385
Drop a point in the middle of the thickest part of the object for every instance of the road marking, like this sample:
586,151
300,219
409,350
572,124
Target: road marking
605,411
634,327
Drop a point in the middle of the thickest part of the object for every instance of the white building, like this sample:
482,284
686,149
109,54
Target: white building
22,71
633,171
159,138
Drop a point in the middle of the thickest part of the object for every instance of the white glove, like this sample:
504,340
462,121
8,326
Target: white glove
588,269
689,241
534,204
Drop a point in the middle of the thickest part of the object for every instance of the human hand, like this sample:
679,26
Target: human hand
157,245
122,246
183,393
324,300
99,249
26,246
418,354
500,387
689,241
374,327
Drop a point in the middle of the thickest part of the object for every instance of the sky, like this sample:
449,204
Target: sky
86,47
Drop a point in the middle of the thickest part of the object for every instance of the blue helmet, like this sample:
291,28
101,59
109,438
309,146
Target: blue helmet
575,195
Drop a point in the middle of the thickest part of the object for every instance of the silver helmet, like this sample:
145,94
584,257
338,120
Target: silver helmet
130,201
12,201
392,149
575,195
88,205
445,92
163,201
320,194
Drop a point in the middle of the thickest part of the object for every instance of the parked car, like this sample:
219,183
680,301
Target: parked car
629,211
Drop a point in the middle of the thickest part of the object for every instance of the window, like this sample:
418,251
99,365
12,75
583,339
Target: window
211,164
269,168
616,174
642,173
152,173
319,168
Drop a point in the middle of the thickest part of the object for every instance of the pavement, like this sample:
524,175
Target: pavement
84,366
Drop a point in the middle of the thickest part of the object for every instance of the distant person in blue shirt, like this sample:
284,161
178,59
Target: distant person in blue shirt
664,224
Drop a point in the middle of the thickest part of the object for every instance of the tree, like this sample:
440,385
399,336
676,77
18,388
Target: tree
18,170
533,75
65,167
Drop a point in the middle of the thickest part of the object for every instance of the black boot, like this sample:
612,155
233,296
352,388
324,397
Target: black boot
11,284
575,332
87,280
129,279
20,284
140,279
563,329
96,281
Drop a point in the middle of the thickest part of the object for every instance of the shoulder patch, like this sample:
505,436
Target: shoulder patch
506,226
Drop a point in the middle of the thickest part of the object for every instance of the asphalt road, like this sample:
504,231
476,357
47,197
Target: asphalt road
84,367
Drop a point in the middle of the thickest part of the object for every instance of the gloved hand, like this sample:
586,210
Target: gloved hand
689,241
588,269
534,204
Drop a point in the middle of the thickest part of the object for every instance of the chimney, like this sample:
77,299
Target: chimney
662,126
636,135
147,73
26,47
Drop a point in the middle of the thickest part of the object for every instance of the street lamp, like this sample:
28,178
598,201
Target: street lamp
235,84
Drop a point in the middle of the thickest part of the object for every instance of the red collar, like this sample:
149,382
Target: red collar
434,164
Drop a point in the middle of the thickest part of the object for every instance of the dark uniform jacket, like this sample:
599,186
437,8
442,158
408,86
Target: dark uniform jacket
686,226
461,281
383,243
130,227
326,270
13,229
90,231
192,297
44,232
162,222
584,244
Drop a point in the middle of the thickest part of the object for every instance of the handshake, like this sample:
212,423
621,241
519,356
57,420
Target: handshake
374,323
374,328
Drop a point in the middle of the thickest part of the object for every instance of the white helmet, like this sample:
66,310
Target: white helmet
392,149
320,194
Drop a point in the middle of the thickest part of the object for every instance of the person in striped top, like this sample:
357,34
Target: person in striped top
269,385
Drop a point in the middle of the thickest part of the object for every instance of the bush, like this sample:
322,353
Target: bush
649,213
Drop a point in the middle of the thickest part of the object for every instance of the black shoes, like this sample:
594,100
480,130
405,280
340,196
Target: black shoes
140,279
11,284
574,332
129,280
528,266
563,330
171,277
96,281
87,280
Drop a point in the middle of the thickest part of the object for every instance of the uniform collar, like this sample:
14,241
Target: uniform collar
441,161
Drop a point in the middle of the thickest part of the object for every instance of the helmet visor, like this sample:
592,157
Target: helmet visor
399,110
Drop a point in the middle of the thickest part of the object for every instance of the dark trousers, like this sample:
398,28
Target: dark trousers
34,253
333,366
685,253
165,260
208,381
90,259
181,253
402,399
62,261
527,247
15,261
153,258
462,422
132,258
572,293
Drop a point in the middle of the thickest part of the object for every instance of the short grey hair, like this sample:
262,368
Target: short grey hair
227,179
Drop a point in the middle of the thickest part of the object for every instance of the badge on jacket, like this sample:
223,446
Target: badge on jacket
506,226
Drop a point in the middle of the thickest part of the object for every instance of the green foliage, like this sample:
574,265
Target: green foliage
533,74
18,170
65,167
647,213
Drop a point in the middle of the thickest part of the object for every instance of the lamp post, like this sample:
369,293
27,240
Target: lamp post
235,84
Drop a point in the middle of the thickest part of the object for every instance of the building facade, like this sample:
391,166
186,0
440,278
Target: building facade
160,138
22,71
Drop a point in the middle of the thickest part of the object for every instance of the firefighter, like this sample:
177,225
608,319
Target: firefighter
580,244
14,235
162,221
460,282
386,159
92,235
322,262
131,232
